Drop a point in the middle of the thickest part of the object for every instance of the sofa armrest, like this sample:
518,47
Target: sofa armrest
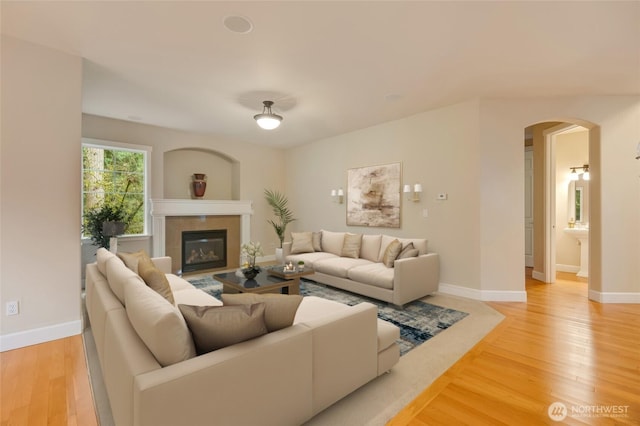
264,381
286,249
415,277
345,352
163,263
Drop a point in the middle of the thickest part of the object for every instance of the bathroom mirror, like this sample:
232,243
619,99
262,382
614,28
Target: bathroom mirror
578,196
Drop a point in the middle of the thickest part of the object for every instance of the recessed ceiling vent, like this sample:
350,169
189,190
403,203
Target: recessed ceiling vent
238,24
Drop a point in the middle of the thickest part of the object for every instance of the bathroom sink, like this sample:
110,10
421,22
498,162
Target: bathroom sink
582,235
577,232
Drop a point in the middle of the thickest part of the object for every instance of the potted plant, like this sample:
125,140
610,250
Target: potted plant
250,251
108,219
300,265
284,216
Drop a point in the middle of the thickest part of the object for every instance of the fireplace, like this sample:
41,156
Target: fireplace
204,250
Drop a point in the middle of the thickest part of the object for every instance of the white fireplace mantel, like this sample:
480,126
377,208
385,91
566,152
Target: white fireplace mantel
160,209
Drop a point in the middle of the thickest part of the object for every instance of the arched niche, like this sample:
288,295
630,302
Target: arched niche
221,170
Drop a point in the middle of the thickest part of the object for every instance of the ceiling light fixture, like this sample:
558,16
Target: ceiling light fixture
268,120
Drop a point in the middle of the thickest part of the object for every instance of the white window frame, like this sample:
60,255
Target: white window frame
146,150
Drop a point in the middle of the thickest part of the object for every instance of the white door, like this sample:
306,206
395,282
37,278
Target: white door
528,206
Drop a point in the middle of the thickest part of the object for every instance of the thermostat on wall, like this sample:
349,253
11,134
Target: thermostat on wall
443,196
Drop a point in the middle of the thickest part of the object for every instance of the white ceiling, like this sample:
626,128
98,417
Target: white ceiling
330,67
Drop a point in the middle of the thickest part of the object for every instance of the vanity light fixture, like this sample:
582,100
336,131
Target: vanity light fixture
574,175
337,195
415,196
267,120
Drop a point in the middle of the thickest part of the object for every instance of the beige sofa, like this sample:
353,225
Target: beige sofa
357,263
281,378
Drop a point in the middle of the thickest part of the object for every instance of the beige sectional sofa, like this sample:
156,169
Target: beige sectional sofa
383,267
153,376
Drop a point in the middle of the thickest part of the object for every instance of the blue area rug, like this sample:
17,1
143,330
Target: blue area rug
418,321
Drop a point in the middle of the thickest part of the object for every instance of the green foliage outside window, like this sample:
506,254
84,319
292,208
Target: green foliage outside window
112,190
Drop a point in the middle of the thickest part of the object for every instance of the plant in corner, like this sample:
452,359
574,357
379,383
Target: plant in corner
284,216
108,219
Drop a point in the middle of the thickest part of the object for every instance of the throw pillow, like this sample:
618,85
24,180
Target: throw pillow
132,259
156,279
159,324
215,327
316,241
408,253
301,242
405,248
391,253
351,245
279,311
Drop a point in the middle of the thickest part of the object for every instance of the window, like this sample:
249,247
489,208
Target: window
115,176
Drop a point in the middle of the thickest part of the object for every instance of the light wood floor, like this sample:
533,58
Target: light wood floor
46,384
556,347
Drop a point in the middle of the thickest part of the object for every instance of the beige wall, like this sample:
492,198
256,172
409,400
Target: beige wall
40,190
614,224
438,149
181,164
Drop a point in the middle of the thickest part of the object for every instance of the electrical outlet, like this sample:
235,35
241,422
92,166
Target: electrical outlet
13,308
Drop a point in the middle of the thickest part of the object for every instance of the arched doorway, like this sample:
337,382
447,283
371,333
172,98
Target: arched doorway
545,223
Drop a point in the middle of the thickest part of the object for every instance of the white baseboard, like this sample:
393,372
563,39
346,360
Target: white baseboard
568,268
484,295
39,335
614,297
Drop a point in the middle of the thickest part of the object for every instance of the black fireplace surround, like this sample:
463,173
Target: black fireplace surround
204,250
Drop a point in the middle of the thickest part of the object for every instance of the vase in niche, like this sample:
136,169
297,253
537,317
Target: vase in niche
199,184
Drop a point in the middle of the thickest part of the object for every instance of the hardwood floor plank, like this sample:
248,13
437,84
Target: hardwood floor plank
557,347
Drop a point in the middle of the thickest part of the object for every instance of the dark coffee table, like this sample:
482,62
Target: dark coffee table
262,283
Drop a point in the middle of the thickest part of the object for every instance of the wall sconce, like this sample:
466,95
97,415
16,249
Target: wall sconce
337,195
574,175
415,196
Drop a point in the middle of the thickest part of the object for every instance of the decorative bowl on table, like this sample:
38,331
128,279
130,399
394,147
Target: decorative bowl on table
251,272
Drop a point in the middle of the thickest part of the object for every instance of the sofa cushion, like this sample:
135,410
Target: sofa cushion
332,242
119,277
177,283
159,324
351,245
154,278
102,255
195,297
316,240
391,253
419,243
215,327
375,274
405,248
370,247
338,266
279,311
132,259
301,242
313,307
310,259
